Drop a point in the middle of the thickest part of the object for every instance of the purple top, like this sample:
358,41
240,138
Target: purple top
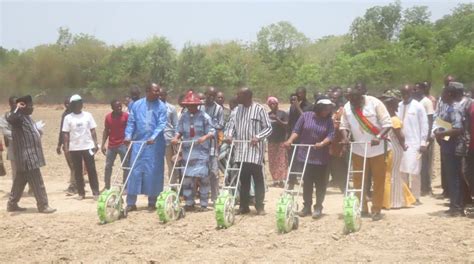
312,130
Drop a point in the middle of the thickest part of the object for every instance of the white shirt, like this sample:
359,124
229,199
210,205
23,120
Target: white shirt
79,127
374,110
415,123
415,129
428,105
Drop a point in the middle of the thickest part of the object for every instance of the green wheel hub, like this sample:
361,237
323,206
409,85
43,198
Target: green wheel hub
109,206
352,221
167,206
224,210
286,218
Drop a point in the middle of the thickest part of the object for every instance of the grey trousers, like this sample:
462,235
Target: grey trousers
214,177
35,180
170,151
426,169
72,177
14,172
13,166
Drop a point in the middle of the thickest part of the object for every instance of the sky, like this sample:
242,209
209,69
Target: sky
26,24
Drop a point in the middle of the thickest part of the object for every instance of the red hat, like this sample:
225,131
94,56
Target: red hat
191,99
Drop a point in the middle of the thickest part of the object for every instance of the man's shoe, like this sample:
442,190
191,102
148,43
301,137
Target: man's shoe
261,212
70,191
318,213
377,216
417,203
189,208
365,215
203,209
131,208
15,208
305,212
455,212
242,212
47,210
80,197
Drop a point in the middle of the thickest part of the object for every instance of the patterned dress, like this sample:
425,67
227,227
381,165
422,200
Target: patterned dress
397,194
277,156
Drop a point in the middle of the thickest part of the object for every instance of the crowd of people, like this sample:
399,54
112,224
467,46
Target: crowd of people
399,126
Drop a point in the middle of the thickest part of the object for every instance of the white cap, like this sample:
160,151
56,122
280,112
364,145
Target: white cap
74,98
325,102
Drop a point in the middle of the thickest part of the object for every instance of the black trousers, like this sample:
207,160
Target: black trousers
425,174
338,170
317,176
444,175
35,180
251,170
77,158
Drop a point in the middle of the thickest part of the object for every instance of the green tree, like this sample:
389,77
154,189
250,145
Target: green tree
378,26
193,67
417,15
277,42
460,61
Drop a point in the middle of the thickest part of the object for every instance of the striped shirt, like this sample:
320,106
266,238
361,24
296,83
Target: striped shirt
216,112
312,130
247,123
26,143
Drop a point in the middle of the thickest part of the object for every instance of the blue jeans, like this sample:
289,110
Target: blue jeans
110,157
452,167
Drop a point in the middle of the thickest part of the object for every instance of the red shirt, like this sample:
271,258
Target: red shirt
471,144
116,127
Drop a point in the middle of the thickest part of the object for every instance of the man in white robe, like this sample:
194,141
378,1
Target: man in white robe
415,128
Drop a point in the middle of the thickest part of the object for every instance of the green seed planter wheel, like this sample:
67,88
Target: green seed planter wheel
224,210
286,218
167,208
352,221
109,206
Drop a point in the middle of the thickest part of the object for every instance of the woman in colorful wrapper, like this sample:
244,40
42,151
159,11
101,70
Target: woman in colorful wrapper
277,159
396,194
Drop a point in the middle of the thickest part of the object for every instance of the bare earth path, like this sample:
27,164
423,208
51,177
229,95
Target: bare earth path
72,234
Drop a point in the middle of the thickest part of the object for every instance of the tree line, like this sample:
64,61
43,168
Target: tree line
384,48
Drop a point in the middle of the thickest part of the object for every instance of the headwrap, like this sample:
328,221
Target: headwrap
272,99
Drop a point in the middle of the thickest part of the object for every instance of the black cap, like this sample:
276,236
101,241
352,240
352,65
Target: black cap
25,99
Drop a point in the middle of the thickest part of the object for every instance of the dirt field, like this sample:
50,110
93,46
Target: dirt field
73,234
